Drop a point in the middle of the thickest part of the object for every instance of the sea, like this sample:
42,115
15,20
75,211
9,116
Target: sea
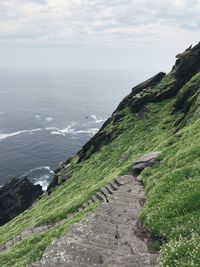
47,115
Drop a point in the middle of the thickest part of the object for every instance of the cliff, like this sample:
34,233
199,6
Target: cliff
160,114
156,89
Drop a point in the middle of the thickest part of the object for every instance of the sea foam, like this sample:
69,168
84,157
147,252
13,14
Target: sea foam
8,135
40,175
96,119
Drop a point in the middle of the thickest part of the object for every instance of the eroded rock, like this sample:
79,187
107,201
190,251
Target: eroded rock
16,196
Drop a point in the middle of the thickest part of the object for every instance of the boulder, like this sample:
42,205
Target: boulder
144,162
16,196
188,65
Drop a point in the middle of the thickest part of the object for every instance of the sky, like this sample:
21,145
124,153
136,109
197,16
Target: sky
97,34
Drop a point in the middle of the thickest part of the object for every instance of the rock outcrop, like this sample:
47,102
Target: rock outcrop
16,196
58,179
145,161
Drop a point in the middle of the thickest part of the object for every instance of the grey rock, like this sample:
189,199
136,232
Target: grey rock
144,162
16,196
9,243
113,186
40,229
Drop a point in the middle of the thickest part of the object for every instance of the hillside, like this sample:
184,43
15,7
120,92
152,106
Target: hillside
161,114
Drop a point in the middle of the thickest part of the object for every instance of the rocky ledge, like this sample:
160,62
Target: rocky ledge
16,196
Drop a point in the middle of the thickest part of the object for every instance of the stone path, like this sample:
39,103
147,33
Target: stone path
102,195
106,237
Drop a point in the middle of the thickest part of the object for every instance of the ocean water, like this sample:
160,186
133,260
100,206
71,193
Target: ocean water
46,116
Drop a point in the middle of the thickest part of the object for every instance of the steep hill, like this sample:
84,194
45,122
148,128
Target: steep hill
161,114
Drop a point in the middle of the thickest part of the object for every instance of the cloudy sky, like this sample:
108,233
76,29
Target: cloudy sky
96,34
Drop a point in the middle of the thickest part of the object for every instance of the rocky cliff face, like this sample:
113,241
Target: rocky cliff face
158,88
16,196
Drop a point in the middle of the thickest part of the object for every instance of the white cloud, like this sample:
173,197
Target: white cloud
100,21
104,34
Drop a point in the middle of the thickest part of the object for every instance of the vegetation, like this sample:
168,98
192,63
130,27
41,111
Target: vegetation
172,209
31,249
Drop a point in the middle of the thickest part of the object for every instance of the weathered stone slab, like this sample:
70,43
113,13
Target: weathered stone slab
144,162
40,229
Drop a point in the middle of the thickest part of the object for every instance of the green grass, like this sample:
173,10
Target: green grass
32,249
172,210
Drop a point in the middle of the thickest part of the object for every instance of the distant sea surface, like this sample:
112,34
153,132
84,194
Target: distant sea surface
46,116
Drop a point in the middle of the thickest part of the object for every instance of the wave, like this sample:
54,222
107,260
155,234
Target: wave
97,120
71,130
53,130
8,135
91,131
47,168
43,181
63,132
40,175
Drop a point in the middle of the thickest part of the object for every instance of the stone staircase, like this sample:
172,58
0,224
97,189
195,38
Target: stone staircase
108,236
102,195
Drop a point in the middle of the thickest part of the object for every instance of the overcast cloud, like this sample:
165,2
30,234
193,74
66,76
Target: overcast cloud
132,25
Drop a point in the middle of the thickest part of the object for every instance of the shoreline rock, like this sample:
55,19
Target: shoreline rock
16,196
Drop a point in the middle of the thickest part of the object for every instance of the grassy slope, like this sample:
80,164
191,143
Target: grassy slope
101,168
172,187
173,191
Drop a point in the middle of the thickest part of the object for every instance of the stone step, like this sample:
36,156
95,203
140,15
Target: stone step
106,237
127,197
116,182
9,243
95,199
67,263
88,253
85,205
114,186
109,192
61,222
126,179
40,229
90,202
110,189
105,192
101,196
80,209
77,253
